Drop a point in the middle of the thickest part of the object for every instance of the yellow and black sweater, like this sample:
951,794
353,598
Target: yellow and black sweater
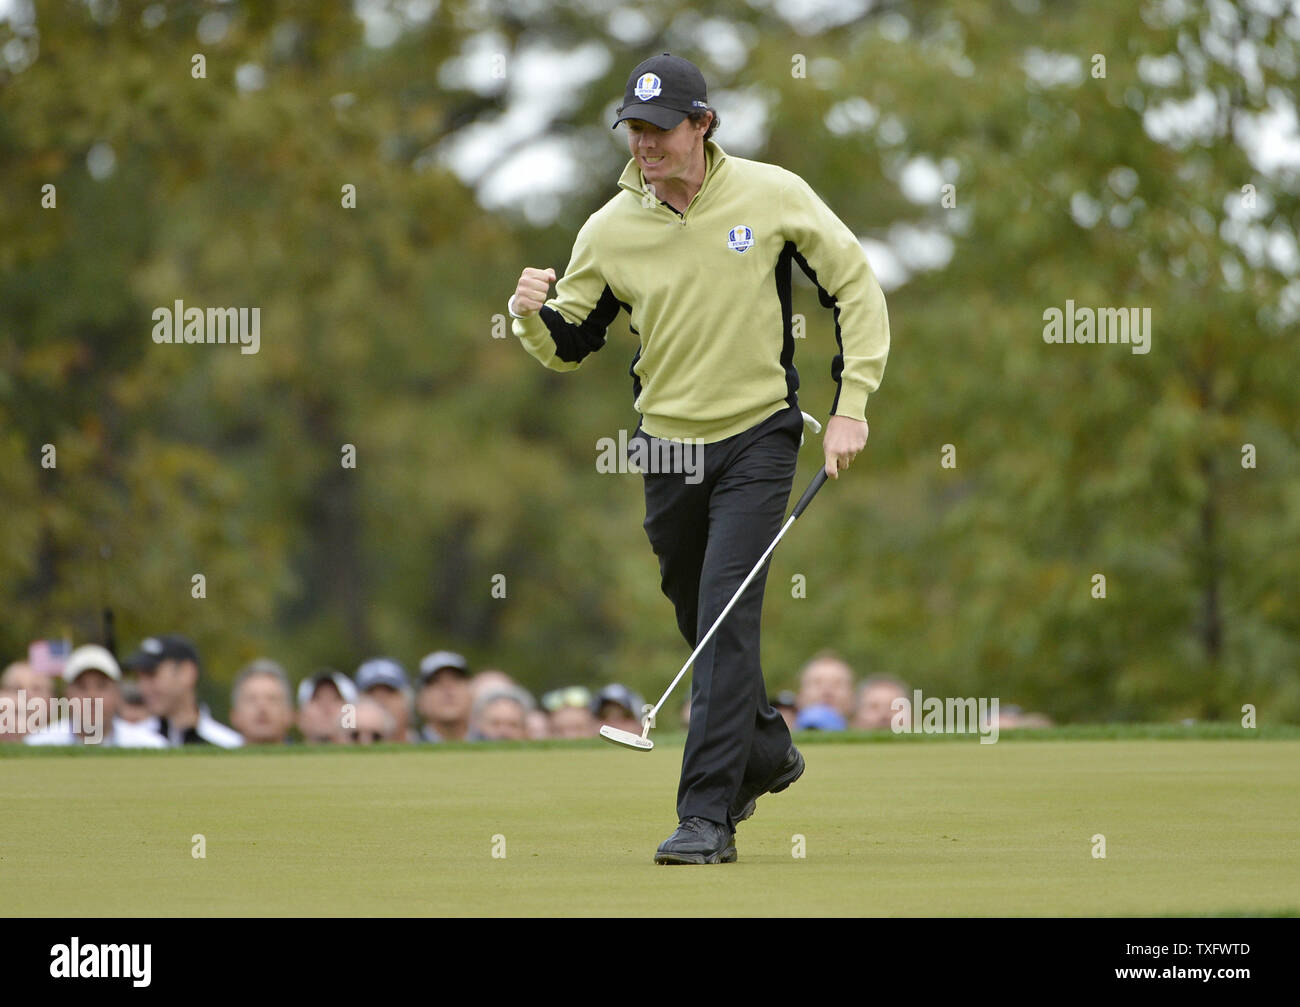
708,291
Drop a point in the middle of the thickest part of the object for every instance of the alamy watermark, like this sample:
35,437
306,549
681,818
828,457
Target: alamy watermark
954,715
235,326
1130,326
76,960
83,716
651,455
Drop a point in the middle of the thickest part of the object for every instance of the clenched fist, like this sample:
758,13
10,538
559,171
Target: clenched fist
534,287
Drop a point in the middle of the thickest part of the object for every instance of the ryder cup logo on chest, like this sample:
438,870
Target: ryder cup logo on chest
648,86
740,238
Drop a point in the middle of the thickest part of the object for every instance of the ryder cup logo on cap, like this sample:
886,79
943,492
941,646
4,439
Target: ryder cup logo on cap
740,238
662,90
649,86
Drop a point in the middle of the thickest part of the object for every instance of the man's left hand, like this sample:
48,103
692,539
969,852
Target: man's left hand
843,439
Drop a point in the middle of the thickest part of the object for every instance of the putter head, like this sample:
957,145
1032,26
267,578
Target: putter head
626,738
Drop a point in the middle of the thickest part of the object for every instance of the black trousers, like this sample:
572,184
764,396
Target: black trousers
708,535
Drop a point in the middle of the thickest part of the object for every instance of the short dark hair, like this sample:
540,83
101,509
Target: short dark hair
697,117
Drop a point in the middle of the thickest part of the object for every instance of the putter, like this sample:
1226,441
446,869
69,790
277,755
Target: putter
641,742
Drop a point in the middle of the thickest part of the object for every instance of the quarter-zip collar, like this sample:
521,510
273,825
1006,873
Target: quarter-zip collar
714,160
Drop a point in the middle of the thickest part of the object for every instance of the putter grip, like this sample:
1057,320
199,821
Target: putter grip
819,480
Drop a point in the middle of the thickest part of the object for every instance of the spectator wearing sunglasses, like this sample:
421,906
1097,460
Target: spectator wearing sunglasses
569,710
374,724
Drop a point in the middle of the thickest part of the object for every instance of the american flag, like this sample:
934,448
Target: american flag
47,657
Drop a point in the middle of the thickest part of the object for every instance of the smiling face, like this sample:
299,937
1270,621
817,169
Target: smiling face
665,154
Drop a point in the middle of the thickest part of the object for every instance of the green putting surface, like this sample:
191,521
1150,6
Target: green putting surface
893,829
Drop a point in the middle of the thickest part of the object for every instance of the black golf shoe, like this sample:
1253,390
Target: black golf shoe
789,771
698,841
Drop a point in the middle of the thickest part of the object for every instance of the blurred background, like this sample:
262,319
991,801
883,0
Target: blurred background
996,159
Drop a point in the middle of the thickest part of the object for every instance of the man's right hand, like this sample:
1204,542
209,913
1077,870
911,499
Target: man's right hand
533,289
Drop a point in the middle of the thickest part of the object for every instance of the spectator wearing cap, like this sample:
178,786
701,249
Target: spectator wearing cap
618,706
22,686
827,680
875,711
91,676
445,700
261,704
569,710
168,669
385,681
501,714
321,698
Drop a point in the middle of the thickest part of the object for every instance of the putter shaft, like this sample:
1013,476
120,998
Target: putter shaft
819,480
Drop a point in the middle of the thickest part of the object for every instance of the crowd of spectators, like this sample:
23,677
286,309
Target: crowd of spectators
151,700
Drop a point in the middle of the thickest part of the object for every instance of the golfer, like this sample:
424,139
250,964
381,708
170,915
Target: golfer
698,247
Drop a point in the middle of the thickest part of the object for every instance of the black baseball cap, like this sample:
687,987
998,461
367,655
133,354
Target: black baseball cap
661,90
164,647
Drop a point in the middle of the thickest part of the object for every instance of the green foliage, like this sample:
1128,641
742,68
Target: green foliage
377,325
